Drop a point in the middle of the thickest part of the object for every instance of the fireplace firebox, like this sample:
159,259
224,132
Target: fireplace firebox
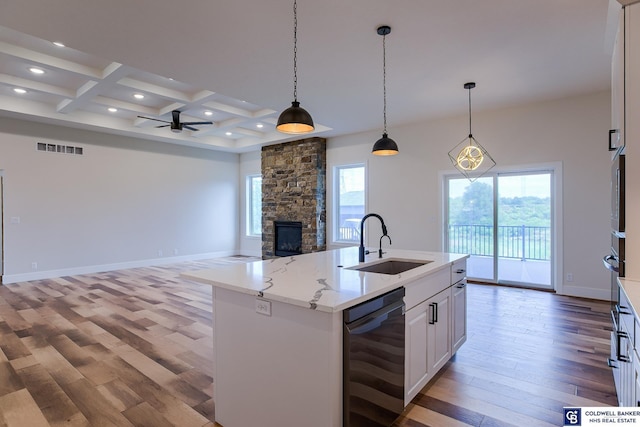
288,238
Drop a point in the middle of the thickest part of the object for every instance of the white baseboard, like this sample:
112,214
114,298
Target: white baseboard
582,292
89,269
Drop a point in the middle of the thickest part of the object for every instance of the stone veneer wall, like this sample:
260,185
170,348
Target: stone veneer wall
293,189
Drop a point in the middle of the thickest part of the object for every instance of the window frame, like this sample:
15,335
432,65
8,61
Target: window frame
335,231
250,200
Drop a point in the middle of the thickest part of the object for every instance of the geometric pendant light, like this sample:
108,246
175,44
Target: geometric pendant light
295,119
385,146
469,157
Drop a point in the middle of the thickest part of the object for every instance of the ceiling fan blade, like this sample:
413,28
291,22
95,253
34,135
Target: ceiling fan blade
184,125
151,118
197,123
163,126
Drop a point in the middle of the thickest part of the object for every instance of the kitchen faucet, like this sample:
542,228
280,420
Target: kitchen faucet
384,233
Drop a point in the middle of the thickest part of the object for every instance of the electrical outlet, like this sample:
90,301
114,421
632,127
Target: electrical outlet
34,265
263,307
569,277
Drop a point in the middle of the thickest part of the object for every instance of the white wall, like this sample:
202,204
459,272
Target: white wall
406,189
125,202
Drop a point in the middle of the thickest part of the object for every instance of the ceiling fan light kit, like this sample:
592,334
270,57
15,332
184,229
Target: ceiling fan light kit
295,119
468,156
385,146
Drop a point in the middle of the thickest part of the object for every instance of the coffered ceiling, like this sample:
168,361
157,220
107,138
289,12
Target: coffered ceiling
230,62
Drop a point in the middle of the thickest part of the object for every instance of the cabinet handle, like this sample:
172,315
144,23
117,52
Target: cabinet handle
460,271
611,363
461,285
611,132
621,309
432,315
435,311
625,358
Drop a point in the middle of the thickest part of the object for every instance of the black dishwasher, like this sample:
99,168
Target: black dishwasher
373,366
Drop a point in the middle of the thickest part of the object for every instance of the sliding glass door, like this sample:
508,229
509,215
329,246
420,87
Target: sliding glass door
504,221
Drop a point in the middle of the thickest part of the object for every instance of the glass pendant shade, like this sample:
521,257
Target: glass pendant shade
385,146
295,120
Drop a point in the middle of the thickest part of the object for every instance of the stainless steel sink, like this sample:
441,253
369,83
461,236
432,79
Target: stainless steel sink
391,266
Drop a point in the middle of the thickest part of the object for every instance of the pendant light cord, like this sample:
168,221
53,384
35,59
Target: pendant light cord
470,113
295,50
384,81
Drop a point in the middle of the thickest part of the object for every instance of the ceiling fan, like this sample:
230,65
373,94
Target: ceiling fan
176,124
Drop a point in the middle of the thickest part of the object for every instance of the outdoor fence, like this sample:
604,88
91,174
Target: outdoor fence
519,242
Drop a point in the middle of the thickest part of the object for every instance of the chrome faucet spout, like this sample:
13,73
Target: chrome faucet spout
384,233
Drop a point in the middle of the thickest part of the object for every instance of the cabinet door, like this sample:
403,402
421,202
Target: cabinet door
439,330
459,316
616,134
636,380
416,364
627,378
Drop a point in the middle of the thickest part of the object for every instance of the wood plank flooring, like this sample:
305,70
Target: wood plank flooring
134,348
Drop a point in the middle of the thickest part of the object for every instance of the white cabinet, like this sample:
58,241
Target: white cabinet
459,304
439,330
616,133
626,394
435,325
632,138
416,369
626,364
459,315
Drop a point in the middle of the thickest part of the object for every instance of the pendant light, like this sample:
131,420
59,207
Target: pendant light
295,119
385,146
469,157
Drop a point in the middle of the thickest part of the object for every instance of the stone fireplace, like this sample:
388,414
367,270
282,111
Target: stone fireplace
293,190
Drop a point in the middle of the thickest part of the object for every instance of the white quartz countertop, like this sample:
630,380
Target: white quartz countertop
322,280
632,289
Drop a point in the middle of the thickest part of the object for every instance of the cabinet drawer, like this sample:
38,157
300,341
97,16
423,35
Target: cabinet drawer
458,271
426,287
627,317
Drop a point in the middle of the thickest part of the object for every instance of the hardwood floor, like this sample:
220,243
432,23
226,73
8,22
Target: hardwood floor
134,348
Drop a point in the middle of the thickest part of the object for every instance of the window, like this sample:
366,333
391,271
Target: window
254,205
349,189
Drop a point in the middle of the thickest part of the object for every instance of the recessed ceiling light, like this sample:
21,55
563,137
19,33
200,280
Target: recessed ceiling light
58,44
112,110
208,113
260,125
19,90
228,133
138,96
36,70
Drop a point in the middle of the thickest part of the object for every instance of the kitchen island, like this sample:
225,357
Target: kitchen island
278,331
